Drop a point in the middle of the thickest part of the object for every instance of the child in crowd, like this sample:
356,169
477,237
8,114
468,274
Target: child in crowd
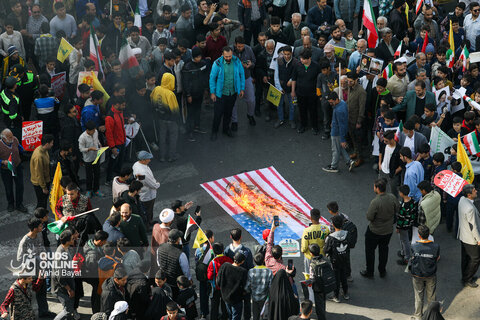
275,31
350,42
186,297
173,312
406,218
453,155
89,145
456,128
258,284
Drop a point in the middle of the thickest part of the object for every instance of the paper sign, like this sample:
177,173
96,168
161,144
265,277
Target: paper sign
290,248
31,134
99,154
474,57
58,83
441,99
450,182
274,95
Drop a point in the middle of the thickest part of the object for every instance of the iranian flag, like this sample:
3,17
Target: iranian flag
471,143
450,55
95,53
191,226
137,22
399,130
370,23
387,72
398,51
58,226
425,42
126,56
464,56
10,165
418,6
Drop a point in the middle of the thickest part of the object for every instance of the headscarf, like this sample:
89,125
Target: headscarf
99,316
433,312
120,307
282,300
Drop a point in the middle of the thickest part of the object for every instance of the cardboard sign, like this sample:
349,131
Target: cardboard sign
58,83
274,95
450,182
290,248
371,65
31,134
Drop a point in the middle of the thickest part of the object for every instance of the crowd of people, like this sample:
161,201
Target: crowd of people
157,64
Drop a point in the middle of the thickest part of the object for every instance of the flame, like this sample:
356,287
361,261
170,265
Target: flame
261,206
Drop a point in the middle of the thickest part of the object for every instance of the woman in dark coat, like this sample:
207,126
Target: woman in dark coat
282,302
433,312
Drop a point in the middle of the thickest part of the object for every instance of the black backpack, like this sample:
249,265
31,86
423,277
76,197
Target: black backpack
340,250
324,277
351,228
201,268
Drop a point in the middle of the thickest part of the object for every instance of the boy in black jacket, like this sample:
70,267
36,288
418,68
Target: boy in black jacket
186,297
231,280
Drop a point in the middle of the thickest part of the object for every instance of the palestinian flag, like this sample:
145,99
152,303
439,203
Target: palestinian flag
464,56
126,56
425,42
10,165
95,53
451,51
137,22
399,130
387,72
370,23
418,7
191,226
398,51
58,226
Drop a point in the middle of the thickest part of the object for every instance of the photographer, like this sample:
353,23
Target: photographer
148,193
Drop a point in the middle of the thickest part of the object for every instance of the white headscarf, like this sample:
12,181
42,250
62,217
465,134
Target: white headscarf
120,306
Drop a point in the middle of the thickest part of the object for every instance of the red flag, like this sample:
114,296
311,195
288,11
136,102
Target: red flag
425,42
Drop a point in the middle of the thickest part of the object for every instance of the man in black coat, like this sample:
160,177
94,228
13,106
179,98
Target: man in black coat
113,290
92,251
387,47
71,131
138,290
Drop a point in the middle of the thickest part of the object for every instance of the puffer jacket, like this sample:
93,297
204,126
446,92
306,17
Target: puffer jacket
430,213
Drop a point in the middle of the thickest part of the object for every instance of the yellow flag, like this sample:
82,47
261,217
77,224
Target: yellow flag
56,192
90,78
451,42
462,157
274,95
99,154
407,8
199,239
64,50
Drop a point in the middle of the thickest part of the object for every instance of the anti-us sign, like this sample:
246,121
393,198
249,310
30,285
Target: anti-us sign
31,134
449,182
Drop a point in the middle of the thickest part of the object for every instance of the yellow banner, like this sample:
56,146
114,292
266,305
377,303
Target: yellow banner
56,192
339,51
64,50
90,78
274,95
99,154
199,239
462,157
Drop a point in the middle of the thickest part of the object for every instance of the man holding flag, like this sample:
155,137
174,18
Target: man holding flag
11,170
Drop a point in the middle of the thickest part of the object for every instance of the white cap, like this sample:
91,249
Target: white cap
166,215
401,59
136,51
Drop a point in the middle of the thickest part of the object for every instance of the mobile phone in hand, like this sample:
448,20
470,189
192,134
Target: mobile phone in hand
276,221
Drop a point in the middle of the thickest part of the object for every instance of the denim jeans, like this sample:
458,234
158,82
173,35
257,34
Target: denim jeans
248,97
337,151
405,243
67,304
235,310
291,107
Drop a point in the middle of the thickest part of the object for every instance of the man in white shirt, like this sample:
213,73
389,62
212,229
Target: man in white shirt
389,163
148,193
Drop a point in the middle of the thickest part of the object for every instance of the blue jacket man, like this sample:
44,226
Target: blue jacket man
90,112
227,80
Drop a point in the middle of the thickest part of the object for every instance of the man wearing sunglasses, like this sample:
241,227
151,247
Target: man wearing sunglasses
472,25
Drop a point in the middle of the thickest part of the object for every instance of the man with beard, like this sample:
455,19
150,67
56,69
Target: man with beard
293,30
337,39
420,63
307,44
133,228
426,18
397,84
471,25
386,48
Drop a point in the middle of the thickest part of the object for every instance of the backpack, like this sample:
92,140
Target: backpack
340,250
105,274
351,228
324,277
201,268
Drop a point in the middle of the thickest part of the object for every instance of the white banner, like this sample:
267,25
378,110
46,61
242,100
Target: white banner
440,142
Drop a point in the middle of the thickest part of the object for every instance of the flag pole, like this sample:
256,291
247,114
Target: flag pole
86,212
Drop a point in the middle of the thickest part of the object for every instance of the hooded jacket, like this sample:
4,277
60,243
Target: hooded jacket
217,76
115,128
336,247
164,99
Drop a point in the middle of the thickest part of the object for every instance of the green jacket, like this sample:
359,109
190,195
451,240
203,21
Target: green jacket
135,231
410,101
430,207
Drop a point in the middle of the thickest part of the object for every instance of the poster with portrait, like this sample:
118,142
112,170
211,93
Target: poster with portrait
365,63
441,98
375,66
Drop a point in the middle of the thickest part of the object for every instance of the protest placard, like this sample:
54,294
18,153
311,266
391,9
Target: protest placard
31,134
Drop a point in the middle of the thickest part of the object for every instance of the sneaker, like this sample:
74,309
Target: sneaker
89,194
199,130
278,124
334,299
399,254
350,279
154,146
99,194
346,296
329,168
364,273
325,136
251,120
351,165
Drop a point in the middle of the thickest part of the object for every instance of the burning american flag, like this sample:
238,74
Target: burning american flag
253,198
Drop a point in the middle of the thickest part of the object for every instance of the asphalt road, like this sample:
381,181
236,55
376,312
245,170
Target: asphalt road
299,159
